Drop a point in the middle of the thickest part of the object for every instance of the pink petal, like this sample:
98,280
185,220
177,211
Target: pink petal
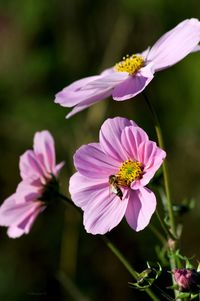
58,168
84,90
31,168
84,189
131,139
19,217
87,91
73,94
141,206
134,84
98,89
14,232
27,193
108,71
152,157
145,53
25,226
103,210
44,149
110,137
196,49
92,162
107,80
174,45
89,102
105,213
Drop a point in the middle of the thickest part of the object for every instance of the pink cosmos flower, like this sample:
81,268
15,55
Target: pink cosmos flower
130,76
38,171
111,177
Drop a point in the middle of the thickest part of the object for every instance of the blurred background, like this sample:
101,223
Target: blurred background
45,45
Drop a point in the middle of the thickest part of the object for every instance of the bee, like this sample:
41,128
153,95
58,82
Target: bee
113,181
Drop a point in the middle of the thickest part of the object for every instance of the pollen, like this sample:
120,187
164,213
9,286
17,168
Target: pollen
129,171
130,64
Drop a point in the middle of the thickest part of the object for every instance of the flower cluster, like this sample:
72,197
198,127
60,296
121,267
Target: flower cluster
112,174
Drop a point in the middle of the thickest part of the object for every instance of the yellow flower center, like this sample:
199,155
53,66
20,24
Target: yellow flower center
130,64
128,172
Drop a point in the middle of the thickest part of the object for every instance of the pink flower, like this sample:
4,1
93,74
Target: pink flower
130,76
38,170
111,177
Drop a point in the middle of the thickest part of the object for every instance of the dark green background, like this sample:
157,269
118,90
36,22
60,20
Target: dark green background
45,45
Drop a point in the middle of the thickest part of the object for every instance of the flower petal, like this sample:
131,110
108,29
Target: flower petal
152,157
134,84
44,149
103,210
30,167
27,193
89,102
174,45
24,227
141,206
131,139
87,91
145,53
19,217
196,49
83,189
74,94
58,168
110,137
107,80
92,162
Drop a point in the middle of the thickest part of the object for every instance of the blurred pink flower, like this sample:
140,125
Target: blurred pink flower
130,76
112,176
38,170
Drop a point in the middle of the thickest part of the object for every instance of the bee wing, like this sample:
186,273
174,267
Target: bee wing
113,189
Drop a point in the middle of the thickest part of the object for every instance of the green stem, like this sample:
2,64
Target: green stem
158,234
166,181
164,227
164,165
114,249
68,201
126,264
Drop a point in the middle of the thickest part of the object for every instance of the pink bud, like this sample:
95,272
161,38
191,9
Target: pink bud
187,279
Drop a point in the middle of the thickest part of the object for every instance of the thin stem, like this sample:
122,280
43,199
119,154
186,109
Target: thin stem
158,234
126,264
115,251
166,180
164,165
164,227
71,288
68,201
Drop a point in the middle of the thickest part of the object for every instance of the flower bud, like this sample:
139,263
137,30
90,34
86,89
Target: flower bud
186,279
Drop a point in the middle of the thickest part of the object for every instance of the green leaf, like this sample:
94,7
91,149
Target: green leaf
146,278
183,296
188,265
193,296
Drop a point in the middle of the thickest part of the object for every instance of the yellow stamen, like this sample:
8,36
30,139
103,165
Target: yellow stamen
130,64
128,172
